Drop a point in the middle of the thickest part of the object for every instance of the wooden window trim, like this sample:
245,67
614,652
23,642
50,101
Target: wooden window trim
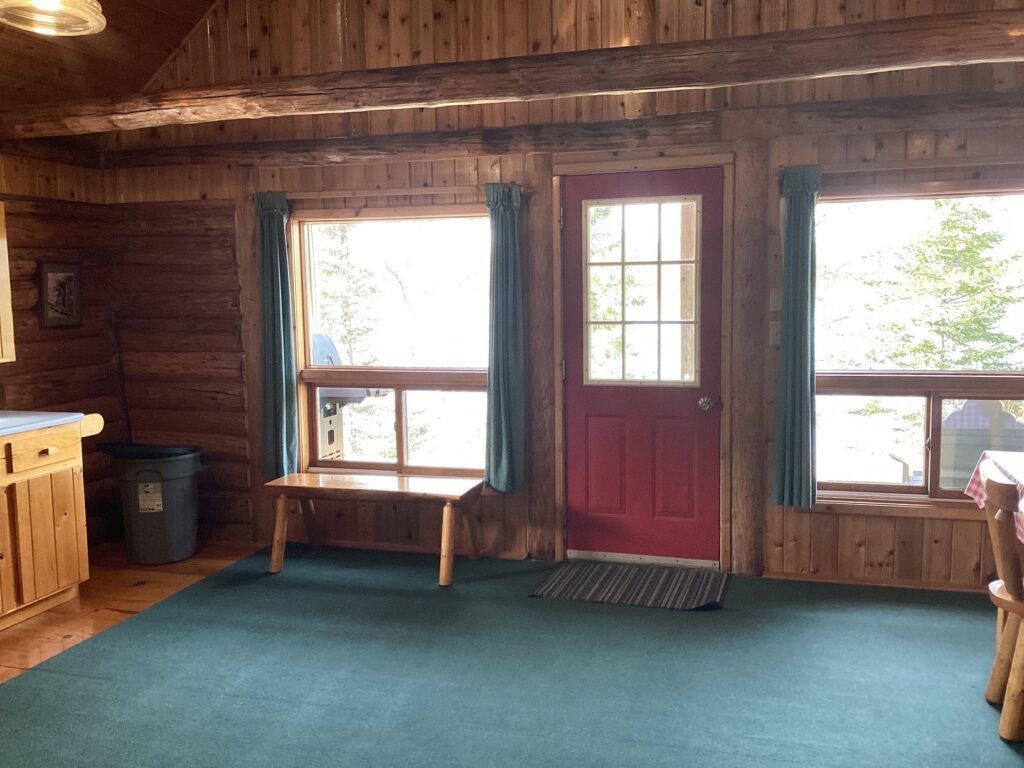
313,215
934,386
400,380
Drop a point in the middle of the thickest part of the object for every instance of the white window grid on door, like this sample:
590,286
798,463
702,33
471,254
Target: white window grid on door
692,203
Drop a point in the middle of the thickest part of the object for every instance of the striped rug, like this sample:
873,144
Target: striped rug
650,586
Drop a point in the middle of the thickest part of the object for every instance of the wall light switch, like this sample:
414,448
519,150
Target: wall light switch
775,300
774,333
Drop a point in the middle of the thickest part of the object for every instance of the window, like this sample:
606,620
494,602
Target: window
642,269
919,341
396,323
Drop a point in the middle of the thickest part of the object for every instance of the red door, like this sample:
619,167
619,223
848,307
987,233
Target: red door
642,299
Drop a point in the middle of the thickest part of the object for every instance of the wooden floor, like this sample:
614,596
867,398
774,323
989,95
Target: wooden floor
116,590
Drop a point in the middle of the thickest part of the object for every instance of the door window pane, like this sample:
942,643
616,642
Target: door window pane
678,292
642,352
605,355
356,425
604,233
866,439
641,292
972,426
445,429
629,303
641,232
605,300
678,361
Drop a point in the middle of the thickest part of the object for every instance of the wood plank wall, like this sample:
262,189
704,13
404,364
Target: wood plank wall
513,526
66,369
247,39
901,545
50,180
175,303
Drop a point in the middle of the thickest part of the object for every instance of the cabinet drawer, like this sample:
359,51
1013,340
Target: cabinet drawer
43,448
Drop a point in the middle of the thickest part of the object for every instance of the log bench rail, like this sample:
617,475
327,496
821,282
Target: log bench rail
455,496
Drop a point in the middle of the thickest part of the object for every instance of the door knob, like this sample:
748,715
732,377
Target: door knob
705,403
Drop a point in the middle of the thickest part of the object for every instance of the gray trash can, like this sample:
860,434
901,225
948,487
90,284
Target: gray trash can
159,499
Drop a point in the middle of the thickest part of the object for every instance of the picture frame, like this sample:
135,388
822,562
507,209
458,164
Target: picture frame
60,294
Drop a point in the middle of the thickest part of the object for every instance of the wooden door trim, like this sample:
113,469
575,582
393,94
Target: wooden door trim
727,162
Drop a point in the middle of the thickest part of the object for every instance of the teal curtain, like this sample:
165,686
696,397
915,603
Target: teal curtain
505,462
793,475
280,420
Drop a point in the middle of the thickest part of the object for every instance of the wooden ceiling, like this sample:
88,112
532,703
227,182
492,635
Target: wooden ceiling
140,36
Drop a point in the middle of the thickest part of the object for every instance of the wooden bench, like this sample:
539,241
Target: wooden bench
454,495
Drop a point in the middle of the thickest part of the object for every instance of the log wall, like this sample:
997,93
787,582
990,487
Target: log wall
66,369
175,285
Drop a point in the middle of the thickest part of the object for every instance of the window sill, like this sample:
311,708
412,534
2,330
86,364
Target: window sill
896,505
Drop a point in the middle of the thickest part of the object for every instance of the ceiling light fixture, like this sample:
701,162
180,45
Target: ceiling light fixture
60,18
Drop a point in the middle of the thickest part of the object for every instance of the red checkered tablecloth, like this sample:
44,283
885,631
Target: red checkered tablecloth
1011,464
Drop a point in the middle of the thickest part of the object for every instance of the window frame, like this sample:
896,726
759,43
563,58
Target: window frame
933,386
697,200
401,380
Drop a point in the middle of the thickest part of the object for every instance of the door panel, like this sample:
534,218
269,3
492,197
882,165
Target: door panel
642,302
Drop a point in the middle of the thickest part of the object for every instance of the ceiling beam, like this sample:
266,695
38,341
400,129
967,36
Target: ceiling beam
820,118
875,46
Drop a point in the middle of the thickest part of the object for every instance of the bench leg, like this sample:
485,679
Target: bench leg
447,544
280,534
312,523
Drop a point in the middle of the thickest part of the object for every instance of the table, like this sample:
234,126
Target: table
454,495
1011,465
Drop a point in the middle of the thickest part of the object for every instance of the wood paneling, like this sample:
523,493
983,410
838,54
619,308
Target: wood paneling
354,37
47,179
388,89
160,247
879,549
139,37
904,546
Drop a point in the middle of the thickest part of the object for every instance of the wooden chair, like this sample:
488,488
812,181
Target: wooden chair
1006,683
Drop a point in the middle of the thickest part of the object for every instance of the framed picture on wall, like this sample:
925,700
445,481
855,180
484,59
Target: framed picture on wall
60,294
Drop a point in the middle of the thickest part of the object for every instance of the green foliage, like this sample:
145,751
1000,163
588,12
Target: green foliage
952,288
345,294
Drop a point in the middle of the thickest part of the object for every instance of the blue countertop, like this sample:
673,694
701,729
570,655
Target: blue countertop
22,421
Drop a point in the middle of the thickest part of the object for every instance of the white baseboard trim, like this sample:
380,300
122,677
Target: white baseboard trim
619,557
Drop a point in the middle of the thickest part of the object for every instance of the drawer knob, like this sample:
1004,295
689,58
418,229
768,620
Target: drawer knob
47,451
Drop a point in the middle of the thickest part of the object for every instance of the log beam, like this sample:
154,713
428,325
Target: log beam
755,123
874,46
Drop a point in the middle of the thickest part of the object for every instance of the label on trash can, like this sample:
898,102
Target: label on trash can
151,497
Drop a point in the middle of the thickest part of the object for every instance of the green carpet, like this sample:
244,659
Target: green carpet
352,659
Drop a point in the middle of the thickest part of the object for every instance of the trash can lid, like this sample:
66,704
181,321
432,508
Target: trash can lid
144,452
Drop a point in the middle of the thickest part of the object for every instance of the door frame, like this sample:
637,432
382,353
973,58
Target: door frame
563,166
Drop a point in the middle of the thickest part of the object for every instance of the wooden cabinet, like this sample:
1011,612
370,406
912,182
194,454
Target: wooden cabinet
43,547
6,304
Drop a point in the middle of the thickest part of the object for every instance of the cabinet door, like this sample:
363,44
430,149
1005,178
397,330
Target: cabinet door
8,601
47,520
6,305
